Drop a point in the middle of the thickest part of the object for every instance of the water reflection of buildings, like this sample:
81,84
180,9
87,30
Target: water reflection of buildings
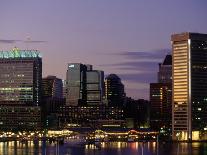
134,148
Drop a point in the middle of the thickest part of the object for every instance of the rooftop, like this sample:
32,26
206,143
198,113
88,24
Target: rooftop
168,60
16,53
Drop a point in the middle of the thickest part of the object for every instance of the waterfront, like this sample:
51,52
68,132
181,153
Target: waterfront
112,148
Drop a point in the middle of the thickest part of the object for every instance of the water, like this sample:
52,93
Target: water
115,148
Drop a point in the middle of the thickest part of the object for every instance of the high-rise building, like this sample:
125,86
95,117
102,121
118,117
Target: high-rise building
161,97
52,100
189,117
165,70
75,77
114,90
52,87
94,87
161,105
20,77
20,90
84,86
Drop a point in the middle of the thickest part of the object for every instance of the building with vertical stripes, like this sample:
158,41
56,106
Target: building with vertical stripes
189,107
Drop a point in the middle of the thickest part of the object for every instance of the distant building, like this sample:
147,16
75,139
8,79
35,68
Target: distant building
165,70
20,77
91,116
20,90
189,118
75,77
161,97
114,90
20,118
161,105
137,113
94,87
84,86
52,87
52,100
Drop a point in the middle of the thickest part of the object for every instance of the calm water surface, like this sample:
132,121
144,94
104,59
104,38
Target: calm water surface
115,148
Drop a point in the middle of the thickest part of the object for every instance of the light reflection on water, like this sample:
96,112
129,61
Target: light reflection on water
112,148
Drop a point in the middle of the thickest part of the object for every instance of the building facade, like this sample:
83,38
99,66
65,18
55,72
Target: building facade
20,90
114,91
161,97
75,85
189,117
20,118
137,113
20,77
52,100
161,105
91,116
94,87
84,86
165,70
52,87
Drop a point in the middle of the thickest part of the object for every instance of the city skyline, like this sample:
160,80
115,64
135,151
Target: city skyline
118,37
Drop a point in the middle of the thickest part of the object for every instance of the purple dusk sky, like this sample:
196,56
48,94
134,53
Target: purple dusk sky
125,37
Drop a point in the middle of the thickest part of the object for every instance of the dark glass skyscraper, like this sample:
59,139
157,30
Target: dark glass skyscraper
189,86
84,86
165,70
75,77
20,77
52,87
161,103
94,87
114,90
161,97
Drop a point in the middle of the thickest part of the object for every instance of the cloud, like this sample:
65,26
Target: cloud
9,41
35,41
12,41
136,66
140,59
152,54
140,67
139,77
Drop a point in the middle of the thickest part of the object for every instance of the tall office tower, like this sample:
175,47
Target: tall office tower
75,77
114,90
165,70
52,99
20,90
20,77
161,97
94,87
52,87
161,105
189,118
